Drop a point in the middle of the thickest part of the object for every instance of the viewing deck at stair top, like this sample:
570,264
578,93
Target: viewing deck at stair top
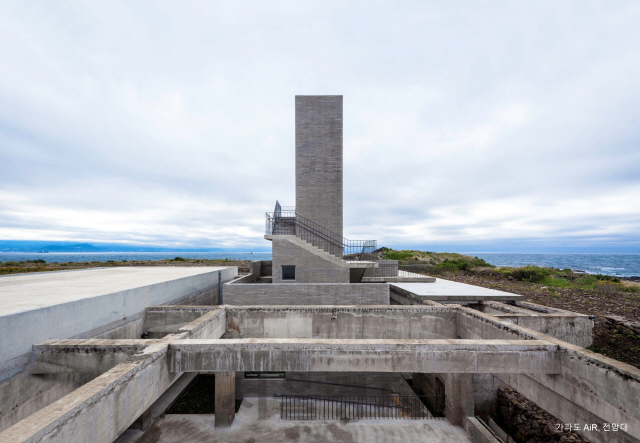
289,222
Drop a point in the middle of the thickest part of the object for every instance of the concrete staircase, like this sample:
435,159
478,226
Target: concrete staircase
319,252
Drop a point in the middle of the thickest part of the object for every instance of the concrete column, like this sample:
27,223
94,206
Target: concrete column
459,398
319,160
143,422
225,398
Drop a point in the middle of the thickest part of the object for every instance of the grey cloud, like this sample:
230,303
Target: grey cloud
175,123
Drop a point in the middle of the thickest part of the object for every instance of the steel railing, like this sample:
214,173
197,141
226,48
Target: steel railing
340,407
289,222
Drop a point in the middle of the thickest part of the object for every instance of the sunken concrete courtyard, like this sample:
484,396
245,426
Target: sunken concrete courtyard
325,342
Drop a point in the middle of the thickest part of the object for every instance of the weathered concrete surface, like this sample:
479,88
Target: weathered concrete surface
261,422
313,265
324,383
342,322
590,388
225,401
450,356
98,356
65,304
157,409
446,290
103,408
407,298
91,356
158,317
95,303
122,394
478,432
252,294
458,403
567,326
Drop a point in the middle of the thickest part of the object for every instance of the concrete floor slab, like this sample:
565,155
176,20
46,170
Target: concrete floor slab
24,292
259,421
103,303
446,290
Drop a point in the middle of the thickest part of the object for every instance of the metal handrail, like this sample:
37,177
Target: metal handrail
289,222
332,407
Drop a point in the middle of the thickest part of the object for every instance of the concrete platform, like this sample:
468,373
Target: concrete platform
403,276
100,302
447,290
23,292
256,422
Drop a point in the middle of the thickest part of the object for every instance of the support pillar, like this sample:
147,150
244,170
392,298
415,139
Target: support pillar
225,401
459,398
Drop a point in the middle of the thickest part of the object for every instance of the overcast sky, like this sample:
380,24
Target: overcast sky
468,126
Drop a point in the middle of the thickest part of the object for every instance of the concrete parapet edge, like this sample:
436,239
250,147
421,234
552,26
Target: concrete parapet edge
589,387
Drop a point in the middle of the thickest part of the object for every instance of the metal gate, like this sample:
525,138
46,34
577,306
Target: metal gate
362,407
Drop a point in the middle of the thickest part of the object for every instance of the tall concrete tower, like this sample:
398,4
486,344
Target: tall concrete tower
319,160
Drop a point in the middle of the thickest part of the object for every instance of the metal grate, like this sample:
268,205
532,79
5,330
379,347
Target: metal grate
362,407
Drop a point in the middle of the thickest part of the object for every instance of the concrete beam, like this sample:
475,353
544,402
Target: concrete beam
84,355
590,388
99,355
102,409
435,356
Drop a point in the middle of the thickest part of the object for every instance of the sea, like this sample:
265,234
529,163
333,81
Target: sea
619,265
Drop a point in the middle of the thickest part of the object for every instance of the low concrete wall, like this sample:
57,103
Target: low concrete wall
406,298
167,319
591,388
567,326
357,322
71,319
102,409
119,315
478,432
305,294
99,410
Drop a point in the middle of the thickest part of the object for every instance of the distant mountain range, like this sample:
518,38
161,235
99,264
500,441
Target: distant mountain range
80,247
50,246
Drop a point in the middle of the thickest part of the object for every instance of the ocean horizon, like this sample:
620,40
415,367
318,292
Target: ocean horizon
615,264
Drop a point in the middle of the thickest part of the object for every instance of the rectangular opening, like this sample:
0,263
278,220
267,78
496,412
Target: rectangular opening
288,272
269,375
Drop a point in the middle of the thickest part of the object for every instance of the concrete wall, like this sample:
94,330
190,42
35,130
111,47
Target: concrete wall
318,383
485,393
163,320
319,170
102,409
567,326
79,317
401,297
310,268
306,294
341,322
119,315
590,388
